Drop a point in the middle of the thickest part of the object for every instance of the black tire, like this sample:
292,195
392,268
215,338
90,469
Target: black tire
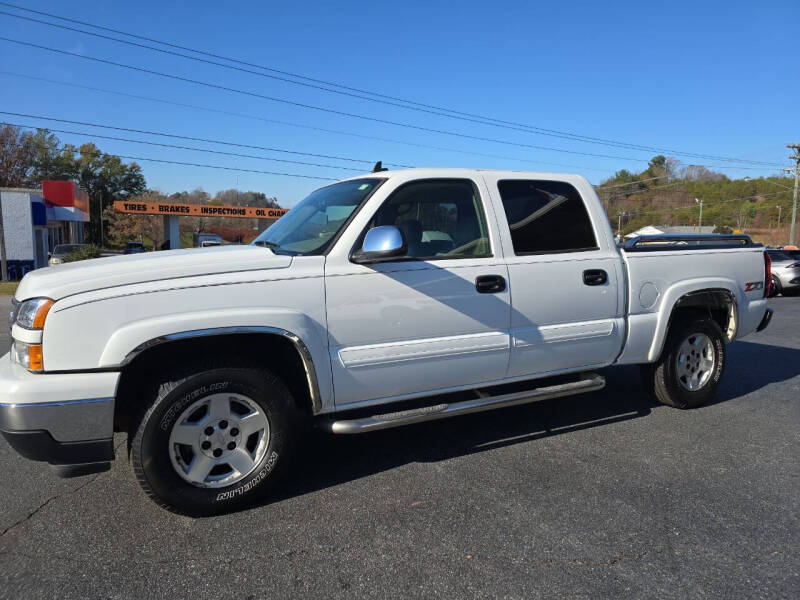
775,288
151,454
663,379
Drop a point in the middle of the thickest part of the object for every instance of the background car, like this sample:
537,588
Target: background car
785,273
134,248
60,251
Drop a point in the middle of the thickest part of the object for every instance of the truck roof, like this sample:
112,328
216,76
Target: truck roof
461,172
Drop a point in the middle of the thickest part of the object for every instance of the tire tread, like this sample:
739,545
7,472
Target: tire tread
159,391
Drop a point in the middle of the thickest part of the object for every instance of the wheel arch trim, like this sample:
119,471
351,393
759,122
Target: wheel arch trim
679,294
302,350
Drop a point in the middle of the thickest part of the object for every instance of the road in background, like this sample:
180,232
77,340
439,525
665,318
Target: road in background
600,495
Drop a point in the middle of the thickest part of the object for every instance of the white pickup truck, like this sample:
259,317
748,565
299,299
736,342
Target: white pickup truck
378,301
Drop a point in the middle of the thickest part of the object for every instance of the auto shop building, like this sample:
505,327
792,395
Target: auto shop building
36,220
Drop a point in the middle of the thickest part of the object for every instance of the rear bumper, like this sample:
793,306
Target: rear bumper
62,419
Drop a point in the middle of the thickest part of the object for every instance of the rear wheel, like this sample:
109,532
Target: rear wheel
690,368
213,440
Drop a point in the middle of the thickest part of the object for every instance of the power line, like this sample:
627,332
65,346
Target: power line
355,92
207,150
306,126
190,138
311,106
706,203
190,164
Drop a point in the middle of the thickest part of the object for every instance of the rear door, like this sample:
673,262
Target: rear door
566,280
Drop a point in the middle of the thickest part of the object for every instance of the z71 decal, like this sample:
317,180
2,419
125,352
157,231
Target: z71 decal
752,286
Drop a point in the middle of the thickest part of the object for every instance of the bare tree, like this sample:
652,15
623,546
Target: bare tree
16,156
123,227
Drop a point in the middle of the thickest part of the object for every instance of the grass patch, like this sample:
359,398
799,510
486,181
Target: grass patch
7,288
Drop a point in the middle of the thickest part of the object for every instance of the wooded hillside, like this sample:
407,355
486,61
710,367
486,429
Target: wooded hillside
665,193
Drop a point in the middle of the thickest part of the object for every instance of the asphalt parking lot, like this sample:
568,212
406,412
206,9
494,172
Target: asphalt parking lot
601,495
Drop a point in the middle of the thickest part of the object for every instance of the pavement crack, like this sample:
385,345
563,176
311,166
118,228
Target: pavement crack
613,561
51,499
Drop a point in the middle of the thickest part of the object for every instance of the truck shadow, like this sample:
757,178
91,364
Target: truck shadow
752,366
328,460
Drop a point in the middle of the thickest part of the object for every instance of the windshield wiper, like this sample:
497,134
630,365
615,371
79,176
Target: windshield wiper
266,244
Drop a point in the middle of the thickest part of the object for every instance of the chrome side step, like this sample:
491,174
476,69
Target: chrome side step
588,383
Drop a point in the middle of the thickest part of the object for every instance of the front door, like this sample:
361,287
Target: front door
567,300
420,323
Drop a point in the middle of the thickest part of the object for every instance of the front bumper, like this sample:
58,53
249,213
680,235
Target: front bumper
789,278
62,419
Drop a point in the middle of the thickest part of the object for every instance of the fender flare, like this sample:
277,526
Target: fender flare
675,294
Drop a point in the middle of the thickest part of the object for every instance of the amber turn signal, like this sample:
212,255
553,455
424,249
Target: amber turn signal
41,314
35,358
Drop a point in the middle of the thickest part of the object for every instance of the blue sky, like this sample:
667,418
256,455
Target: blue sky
713,78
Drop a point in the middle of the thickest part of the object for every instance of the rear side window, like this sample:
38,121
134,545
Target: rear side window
546,216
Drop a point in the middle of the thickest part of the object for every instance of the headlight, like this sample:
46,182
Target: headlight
32,313
54,261
27,355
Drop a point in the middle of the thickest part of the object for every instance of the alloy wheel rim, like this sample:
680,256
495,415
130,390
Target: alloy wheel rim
219,440
695,361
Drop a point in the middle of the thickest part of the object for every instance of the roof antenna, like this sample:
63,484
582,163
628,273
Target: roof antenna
379,167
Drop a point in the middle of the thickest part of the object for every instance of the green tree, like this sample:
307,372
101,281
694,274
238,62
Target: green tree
50,159
105,178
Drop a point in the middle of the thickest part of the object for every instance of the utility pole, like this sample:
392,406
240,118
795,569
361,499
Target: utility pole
796,158
700,221
3,261
780,208
101,222
619,223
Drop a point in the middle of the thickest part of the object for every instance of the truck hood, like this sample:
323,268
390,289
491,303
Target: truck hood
85,276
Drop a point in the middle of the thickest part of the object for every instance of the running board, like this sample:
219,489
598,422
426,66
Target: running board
588,383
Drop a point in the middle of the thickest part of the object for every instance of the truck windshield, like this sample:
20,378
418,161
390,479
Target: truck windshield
311,225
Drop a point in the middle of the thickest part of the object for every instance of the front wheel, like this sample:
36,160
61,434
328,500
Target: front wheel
690,368
213,440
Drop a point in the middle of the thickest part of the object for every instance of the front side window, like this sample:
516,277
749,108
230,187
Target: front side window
546,217
310,226
439,219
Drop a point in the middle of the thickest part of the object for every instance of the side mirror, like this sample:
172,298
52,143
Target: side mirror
380,244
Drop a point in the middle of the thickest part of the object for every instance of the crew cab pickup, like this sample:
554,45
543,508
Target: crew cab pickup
387,299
